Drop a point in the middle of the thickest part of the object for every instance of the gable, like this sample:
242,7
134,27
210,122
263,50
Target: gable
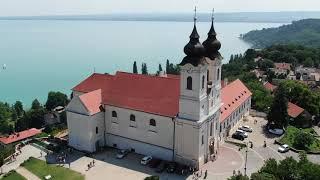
76,106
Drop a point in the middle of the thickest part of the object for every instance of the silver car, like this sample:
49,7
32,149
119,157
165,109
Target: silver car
284,148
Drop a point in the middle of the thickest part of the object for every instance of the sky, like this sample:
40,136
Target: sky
69,7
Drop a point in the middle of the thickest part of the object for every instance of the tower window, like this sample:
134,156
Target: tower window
203,78
210,129
97,130
218,74
189,83
114,114
207,75
132,117
202,140
152,122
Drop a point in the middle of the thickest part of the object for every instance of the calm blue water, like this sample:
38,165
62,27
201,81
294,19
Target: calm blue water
56,55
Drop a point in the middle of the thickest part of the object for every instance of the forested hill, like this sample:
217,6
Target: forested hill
304,32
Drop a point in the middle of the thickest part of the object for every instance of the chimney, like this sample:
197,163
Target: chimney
162,74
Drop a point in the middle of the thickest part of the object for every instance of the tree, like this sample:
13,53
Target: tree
270,167
308,62
160,68
167,65
239,176
288,169
302,140
135,69
278,113
19,108
56,99
144,69
36,104
262,176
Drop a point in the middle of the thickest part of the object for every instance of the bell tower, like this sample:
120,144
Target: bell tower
193,79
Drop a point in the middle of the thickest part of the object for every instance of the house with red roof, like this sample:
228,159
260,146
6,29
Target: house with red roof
299,115
175,118
270,87
19,136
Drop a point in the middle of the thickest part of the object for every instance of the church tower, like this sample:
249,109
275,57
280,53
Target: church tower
197,124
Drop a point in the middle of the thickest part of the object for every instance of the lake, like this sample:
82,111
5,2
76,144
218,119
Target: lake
48,55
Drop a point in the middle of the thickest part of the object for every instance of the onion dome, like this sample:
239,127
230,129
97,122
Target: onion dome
211,44
194,48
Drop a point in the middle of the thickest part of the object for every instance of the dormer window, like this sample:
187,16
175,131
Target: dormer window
189,83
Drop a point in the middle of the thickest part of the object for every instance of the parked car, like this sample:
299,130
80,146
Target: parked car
276,131
242,132
122,153
154,163
238,136
171,167
246,128
161,167
145,160
284,148
181,169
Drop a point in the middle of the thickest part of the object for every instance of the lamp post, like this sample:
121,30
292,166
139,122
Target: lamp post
246,160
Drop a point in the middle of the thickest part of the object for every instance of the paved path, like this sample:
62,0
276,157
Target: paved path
27,174
27,151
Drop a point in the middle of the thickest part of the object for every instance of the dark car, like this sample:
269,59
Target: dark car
154,163
161,167
238,135
171,167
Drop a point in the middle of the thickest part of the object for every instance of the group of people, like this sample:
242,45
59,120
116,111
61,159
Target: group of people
91,164
198,174
61,158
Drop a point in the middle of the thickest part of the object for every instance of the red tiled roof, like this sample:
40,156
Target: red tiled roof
270,86
20,136
286,66
92,101
232,96
151,94
294,110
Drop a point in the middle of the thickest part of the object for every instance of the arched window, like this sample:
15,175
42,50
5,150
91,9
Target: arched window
189,83
96,130
132,117
152,122
218,74
208,75
114,114
203,81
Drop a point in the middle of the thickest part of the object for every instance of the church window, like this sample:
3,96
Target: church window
132,117
210,129
114,114
152,122
203,78
189,83
96,130
218,74
202,140
207,75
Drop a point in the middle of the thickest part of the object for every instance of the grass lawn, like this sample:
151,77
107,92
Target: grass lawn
41,169
289,136
13,175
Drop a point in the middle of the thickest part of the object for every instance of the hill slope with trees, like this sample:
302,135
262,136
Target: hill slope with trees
304,32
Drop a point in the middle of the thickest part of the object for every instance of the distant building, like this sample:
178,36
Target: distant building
299,115
19,136
270,87
281,68
175,118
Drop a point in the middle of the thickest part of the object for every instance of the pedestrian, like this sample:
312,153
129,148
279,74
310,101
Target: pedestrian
93,162
201,173
40,153
88,167
205,174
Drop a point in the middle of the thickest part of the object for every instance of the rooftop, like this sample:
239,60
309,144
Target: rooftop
18,136
294,110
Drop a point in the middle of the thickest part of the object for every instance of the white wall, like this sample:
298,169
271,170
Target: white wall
143,132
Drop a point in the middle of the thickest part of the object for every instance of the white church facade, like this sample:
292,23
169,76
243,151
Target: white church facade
182,118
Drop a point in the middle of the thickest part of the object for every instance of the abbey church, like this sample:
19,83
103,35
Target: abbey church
182,118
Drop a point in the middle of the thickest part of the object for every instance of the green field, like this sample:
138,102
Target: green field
42,169
288,138
13,175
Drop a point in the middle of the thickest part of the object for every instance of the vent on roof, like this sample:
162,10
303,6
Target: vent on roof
221,112
239,97
232,102
245,92
236,99
229,105
225,108
242,94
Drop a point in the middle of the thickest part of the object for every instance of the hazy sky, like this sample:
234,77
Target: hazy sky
52,7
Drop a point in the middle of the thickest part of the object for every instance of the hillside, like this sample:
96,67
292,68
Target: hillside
304,32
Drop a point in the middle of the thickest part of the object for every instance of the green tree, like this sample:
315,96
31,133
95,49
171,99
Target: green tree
135,69
288,169
270,167
160,68
56,99
36,105
238,177
302,140
144,69
262,176
308,62
278,113
167,66
19,108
